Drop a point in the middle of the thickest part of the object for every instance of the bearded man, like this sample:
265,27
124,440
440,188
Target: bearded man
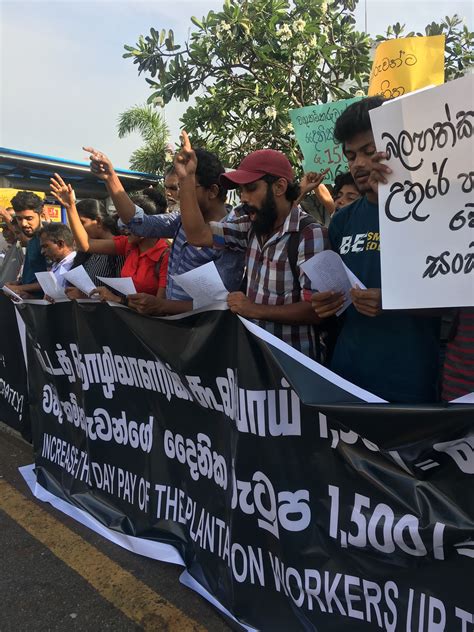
276,298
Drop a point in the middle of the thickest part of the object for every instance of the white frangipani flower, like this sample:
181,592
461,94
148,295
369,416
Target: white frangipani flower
222,29
299,26
284,33
271,112
299,53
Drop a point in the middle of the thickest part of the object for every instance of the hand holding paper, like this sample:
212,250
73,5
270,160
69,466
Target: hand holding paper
328,273
49,285
203,284
80,279
124,285
16,297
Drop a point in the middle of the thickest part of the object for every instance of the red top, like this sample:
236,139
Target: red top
142,266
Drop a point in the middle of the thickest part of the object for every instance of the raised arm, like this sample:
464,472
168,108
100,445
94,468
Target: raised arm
64,194
313,181
102,167
197,231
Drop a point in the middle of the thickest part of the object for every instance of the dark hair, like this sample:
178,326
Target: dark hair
292,190
170,170
208,170
152,201
341,180
27,201
95,210
356,119
57,232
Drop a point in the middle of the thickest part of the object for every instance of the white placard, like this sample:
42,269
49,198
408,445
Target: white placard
327,271
203,284
123,285
80,279
427,207
50,286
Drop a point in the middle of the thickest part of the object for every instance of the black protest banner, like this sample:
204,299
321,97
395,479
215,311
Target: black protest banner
189,431
13,386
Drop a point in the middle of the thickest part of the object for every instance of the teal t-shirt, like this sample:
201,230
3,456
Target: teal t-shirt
394,355
34,261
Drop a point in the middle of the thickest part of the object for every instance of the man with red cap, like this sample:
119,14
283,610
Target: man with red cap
277,299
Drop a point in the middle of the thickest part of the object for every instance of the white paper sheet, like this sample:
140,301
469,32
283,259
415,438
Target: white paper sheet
203,284
123,285
13,294
328,272
80,279
465,399
49,285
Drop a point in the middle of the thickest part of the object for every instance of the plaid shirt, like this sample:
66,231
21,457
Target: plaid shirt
270,279
184,256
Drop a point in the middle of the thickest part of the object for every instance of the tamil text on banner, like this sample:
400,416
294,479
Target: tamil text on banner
191,432
314,131
405,65
427,207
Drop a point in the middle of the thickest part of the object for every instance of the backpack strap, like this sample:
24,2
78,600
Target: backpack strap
293,245
160,261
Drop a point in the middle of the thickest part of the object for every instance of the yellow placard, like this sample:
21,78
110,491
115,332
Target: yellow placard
52,211
7,194
407,64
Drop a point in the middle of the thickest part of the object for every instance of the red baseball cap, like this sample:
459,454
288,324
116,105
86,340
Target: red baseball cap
259,163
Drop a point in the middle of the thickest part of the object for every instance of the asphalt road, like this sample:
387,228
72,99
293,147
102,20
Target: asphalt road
56,575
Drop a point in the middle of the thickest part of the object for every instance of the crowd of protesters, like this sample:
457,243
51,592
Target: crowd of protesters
258,248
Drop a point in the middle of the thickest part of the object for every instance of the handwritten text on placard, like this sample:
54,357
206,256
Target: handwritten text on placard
427,207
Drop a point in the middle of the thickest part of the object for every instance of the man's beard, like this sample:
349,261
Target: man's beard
265,217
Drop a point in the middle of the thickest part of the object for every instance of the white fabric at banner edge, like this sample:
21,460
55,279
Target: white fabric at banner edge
311,364
148,548
154,550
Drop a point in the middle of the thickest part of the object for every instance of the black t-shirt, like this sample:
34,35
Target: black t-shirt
394,355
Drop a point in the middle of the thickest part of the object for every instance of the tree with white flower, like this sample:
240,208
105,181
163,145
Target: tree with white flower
254,60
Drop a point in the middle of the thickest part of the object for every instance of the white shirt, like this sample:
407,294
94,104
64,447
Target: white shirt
60,267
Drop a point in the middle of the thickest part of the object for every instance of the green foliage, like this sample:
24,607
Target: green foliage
254,60
150,158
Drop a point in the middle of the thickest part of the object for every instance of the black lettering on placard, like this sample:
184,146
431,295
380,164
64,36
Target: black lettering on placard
457,263
439,135
414,193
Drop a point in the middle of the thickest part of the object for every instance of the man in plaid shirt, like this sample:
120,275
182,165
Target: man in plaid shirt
262,229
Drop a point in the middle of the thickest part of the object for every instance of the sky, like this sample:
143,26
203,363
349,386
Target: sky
63,81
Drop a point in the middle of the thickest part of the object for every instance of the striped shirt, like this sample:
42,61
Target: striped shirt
185,257
99,265
270,279
458,377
